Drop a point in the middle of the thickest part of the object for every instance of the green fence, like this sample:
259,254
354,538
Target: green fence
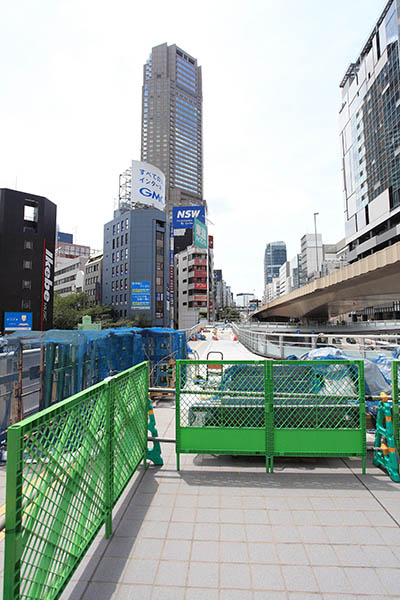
66,468
271,408
395,401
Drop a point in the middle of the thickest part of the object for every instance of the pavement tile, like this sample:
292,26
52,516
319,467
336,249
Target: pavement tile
154,529
352,556
369,535
186,515
253,502
147,548
391,580
256,516
206,531
201,594
305,517
299,503
333,580
305,596
292,554
322,554
276,503
267,577
130,592
280,517
176,550
230,502
203,574
356,518
207,515
234,552
262,553
330,518
231,515
391,536
340,535
205,551
270,595
313,534
235,576
172,572
236,595
180,531
234,532
166,593
379,518
208,501
286,533
364,581
323,504
140,571
299,578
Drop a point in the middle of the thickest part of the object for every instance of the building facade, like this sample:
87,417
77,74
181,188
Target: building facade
274,257
27,248
370,140
172,131
93,278
312,255
69,275
135,264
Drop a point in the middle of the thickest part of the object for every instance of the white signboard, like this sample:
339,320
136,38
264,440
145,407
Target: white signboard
148,185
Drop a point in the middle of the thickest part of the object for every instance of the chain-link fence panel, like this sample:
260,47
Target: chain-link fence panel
395,401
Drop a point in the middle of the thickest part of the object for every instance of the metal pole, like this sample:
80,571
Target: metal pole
316,245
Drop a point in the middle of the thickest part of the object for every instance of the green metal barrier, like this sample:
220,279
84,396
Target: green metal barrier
66,468
271,408
395,401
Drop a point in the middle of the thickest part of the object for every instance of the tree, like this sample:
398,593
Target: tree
227,313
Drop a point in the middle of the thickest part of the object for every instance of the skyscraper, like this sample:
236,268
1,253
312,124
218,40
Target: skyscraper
370,140
274,257
172,122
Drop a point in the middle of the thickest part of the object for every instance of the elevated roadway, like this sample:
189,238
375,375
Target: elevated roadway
371,281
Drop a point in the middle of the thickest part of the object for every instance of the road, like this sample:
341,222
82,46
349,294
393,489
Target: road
230,349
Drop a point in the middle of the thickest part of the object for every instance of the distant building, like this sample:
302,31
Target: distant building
274,257
70,250
243,300
64,237
136,264
93,278
369,120
312,255
27,245
69,275
284,278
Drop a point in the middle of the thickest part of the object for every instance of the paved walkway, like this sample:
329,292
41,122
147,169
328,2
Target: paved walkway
223,529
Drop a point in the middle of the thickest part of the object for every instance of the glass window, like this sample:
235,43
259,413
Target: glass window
28,245
26,284
27,264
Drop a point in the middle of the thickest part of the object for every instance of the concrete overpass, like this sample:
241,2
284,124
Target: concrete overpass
371,281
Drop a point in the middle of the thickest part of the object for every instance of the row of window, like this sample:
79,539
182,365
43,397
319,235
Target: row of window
92,268
91,280
120,226
119,269
119,255
119,284
119,299
119,241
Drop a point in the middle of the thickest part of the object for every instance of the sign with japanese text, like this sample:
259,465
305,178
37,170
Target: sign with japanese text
148,185
199,234
140,295
17,321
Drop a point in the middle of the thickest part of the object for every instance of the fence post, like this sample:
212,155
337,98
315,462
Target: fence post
363,423
269,415
395,402
178,413
109,456
13,539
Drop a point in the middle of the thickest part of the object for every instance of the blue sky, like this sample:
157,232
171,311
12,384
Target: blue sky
70,111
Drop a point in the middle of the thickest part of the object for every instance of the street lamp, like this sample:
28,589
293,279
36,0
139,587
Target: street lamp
316,245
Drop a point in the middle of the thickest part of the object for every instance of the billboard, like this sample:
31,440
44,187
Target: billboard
140,295
199,234
148,185
184,216
17,321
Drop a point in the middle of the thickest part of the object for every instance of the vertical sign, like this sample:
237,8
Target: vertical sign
171,273
199,234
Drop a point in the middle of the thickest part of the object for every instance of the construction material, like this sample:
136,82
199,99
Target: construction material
385,454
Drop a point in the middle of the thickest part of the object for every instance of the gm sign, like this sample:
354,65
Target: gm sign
147,185
183,216
151,194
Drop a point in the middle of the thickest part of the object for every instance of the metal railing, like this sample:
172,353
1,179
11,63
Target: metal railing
66,468
281,345
271,408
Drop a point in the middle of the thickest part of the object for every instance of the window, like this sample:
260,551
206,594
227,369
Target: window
31,212
126,238
117,242
126,223
126,267
112,286
126,253
27,264
113,244
117,269
126,284
113,229
113,271
112,299
26,284
117,285
122,240
25,304
28,245
113,257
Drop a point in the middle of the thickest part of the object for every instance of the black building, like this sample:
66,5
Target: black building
27,241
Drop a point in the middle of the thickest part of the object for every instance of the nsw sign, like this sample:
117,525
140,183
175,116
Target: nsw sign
184,216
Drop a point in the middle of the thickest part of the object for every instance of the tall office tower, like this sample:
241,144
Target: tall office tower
172,132
274,257
370,140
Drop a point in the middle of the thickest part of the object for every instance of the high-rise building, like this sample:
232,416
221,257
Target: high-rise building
274,257
312,256
27,240
172,122
370,140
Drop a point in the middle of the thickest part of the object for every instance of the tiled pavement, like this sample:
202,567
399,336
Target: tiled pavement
223,529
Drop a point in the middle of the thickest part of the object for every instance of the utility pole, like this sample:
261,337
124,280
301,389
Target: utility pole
316,243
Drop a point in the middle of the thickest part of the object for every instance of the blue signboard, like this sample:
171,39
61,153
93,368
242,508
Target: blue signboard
17,321
184,216
140,295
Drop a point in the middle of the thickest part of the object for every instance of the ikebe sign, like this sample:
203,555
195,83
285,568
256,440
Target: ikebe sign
183,216
148,185
47,283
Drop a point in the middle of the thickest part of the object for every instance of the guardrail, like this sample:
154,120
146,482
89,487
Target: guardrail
66,468
271,408
281,345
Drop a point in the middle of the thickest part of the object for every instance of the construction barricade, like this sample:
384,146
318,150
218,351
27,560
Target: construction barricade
271,408
67,466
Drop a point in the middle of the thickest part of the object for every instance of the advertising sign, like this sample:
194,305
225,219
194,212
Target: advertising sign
17,321
148,185
184,216
200,286
199,234
140,295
